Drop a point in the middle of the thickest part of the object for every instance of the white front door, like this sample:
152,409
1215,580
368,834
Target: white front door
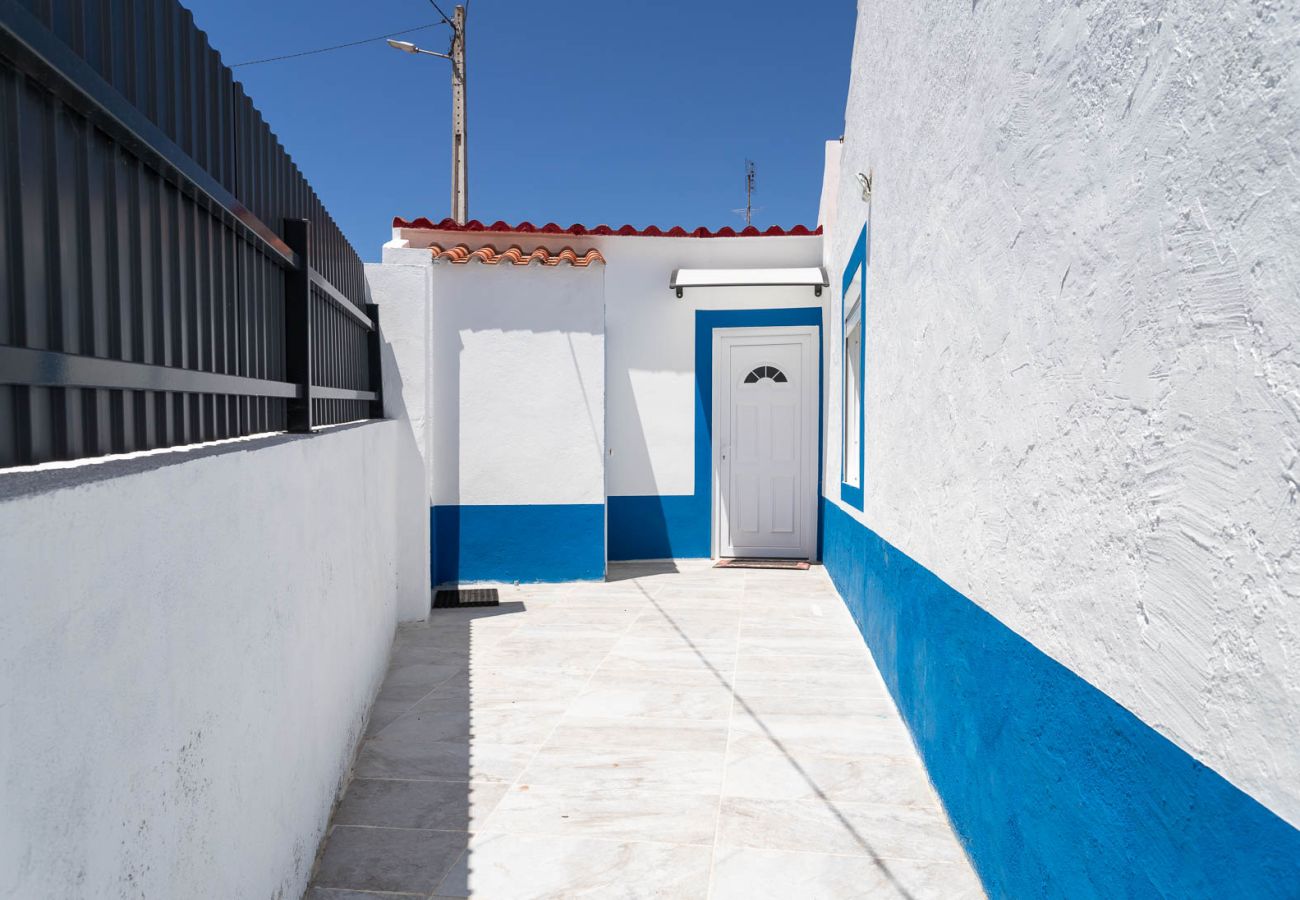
765,441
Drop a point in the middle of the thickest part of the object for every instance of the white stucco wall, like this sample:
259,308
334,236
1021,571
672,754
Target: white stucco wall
649,345
518,384
188,651
651,351
1083,308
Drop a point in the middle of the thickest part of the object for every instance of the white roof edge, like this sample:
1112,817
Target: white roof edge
808,276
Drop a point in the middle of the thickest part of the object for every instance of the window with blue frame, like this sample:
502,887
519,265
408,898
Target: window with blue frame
853,373
852,385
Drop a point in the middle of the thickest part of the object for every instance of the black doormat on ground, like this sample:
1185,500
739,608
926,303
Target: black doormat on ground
462,598
761,564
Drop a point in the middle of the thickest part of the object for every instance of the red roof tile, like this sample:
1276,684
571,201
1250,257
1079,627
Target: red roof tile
474,225
489,255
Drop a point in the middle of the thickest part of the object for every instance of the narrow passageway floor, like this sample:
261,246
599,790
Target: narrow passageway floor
679,731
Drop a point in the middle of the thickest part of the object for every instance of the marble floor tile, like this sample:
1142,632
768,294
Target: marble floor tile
654,702
852,733
681,771
753,642
320,893
529,867
764,772
679,731
456,718
786,705
385,712
385,756
674,636
838,827
829,662
603,733
575,653
571,629
505,681
798,741
429,805
742,874
672,655
808,683
702,623
388,859
415,680
626,815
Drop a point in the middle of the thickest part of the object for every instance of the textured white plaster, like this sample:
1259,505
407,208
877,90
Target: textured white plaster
1083,394
188,651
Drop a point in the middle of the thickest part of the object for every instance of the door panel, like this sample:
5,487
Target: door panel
746,430
783,433
767,445
783,504
746,501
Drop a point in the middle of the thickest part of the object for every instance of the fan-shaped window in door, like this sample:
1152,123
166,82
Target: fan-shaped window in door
762,372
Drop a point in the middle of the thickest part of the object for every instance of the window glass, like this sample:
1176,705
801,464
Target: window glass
852,397
852,405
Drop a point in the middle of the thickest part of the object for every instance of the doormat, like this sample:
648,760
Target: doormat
761,564
460,599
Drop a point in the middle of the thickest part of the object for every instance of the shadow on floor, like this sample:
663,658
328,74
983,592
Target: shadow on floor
627,571
403,824
680,731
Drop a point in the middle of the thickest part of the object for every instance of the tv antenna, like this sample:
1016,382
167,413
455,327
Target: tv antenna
749,194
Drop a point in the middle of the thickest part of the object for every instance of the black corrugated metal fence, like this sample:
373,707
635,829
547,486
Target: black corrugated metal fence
167,275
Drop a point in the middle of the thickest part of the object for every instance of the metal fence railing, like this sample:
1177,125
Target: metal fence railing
167,275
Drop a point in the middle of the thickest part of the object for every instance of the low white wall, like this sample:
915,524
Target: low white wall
403,290
189,644
1082,322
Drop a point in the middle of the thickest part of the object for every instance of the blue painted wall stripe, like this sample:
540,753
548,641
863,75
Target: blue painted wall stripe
658,527
1054,788
545,542
679,525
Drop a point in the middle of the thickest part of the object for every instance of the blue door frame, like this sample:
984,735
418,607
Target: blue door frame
681,525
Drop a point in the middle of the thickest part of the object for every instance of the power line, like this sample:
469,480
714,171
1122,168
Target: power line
370,40
443,14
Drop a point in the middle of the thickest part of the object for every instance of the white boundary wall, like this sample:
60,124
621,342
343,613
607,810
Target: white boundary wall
189,645
1082,400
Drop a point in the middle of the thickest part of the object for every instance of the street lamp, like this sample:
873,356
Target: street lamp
459,130
408,47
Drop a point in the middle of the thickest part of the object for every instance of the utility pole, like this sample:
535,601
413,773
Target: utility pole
459,128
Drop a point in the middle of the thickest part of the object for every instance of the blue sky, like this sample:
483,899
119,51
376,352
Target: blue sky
591,111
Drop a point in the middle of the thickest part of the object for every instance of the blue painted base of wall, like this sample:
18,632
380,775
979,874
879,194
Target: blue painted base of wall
1055,789
650,527
517,543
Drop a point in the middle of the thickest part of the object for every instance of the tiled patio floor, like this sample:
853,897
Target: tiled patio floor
671,733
